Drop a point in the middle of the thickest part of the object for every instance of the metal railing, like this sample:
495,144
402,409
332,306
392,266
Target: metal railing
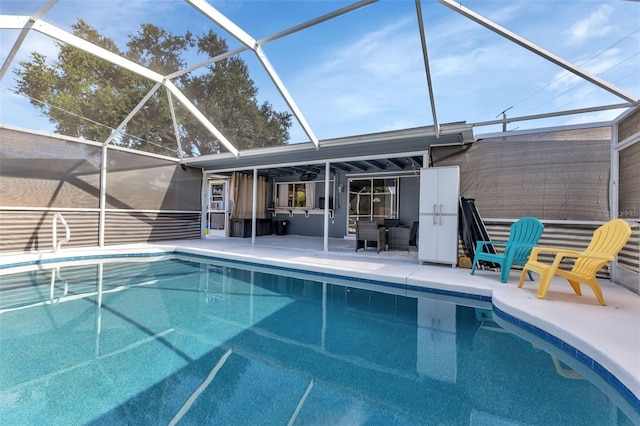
57,243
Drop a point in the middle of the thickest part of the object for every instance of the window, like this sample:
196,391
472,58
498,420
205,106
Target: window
372,199
298,195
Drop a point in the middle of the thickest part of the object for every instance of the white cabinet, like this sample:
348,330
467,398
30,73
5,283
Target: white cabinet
438,231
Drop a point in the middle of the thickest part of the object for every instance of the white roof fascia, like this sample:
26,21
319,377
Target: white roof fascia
457,7
175,123
133,112
285,94
425,56
91,48
200,117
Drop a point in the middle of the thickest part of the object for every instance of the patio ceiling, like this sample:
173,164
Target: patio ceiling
394,151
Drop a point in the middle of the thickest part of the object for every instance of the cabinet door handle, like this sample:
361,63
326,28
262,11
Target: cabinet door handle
440,214
435,214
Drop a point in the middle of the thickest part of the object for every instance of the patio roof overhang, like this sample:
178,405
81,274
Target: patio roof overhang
393,151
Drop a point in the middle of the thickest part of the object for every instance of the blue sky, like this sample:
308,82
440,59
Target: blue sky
364,72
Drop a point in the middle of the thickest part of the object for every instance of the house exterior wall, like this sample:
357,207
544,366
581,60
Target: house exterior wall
409,209
313,224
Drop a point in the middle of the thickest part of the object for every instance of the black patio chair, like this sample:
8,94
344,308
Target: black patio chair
403,238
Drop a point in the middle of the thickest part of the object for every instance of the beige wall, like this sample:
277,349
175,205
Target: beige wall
560,175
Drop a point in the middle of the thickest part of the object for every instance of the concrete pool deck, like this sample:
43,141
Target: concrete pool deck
608,334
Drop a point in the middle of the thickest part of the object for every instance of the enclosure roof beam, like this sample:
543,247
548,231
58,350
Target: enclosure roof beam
550,114
92,49
468,13
26,26
176,131
117,130
200,117
318,20
95,50
285,94
214,15
425,57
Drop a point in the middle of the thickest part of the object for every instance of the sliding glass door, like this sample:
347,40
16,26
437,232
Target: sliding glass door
372,199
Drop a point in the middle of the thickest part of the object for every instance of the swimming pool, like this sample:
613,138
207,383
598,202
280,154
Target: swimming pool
196,341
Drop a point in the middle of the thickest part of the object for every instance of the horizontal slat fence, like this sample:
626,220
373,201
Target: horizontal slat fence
573,237
629,257
32,230
135,227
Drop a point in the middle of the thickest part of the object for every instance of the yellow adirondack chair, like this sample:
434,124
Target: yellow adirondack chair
607,241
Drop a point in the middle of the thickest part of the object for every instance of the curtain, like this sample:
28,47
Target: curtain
283,195
241,196
310,194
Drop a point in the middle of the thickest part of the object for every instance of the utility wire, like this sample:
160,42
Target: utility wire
566,73
584,82
595,90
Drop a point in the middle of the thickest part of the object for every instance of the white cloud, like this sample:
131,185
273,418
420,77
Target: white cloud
595,25
371,76
390,43
506,13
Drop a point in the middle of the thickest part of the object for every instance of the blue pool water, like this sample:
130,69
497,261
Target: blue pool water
184,341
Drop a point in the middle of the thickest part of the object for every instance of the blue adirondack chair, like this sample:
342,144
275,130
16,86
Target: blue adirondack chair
523,236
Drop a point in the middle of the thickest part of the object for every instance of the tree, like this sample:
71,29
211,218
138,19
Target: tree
86,96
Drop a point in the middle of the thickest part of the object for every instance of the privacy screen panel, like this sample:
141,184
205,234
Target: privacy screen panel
148,183
42,171
560,175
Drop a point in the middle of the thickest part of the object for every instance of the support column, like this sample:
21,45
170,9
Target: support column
254,206
103,195
327,175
